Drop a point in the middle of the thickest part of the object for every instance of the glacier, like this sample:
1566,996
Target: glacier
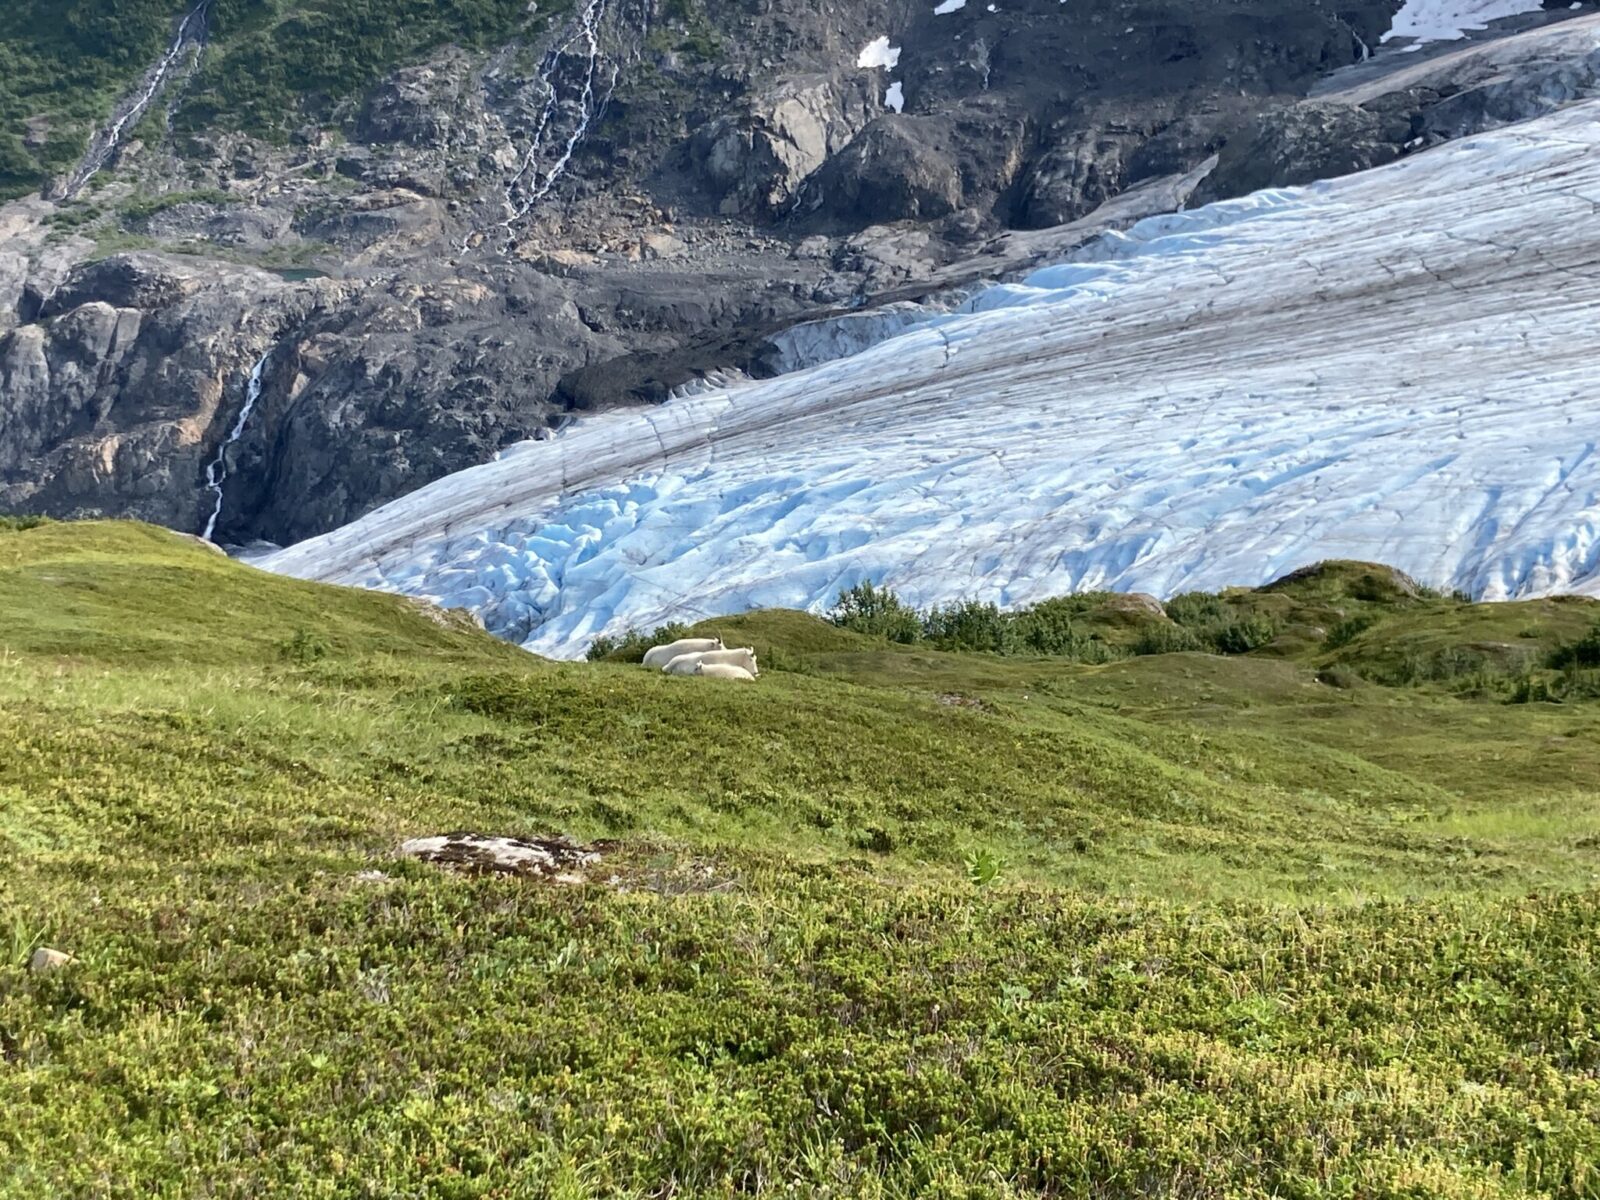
1396,366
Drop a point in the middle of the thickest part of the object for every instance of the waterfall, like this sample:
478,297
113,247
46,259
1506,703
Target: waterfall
585,96
105,144
588,33
217,472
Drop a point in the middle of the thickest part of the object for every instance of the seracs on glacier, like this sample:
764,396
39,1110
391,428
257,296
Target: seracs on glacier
1397,366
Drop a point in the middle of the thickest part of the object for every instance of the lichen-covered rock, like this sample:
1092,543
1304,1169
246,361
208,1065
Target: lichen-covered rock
558,859
758,158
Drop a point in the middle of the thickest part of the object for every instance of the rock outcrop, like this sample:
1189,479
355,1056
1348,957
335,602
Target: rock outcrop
758,158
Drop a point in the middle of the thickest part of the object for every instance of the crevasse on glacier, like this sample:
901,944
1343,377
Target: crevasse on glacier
1395,366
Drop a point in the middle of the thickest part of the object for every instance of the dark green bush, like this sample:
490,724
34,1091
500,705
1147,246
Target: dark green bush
1585,652
1245,635
968,625
19,523
1347,630
1048,628
876,612
1198,608
1162,638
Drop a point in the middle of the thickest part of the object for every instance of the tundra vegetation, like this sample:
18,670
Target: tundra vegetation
1313,917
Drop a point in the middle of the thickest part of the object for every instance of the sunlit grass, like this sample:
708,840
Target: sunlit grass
1180,925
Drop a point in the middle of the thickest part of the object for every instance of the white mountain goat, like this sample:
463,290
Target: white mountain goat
716,670
743,657
660,656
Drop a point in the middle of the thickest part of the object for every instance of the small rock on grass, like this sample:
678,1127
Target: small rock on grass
45,960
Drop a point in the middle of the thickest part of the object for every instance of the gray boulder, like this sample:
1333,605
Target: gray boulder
757,158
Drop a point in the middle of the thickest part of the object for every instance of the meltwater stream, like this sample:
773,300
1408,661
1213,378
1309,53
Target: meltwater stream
217,472
191,29
529,185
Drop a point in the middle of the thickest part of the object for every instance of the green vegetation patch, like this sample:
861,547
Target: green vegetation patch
276,61
269,65
896,920
61,66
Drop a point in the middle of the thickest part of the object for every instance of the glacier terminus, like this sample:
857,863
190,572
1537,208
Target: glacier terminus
1394,366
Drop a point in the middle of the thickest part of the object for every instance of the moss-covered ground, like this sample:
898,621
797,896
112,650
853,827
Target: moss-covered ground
893,921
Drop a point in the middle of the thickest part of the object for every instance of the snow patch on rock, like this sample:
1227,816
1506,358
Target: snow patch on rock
1449,20
878,53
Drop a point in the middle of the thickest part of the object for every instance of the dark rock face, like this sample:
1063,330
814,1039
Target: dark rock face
1082,169
898,169
757,158
474,252
125,281
113,403
408,383
1310,141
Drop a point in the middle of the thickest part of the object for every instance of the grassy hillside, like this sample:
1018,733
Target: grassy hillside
892,921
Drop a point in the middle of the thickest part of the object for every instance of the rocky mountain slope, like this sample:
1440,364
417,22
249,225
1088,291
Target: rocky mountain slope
425,235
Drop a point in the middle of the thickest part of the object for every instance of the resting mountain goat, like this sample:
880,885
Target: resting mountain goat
660,656
744,658
716,670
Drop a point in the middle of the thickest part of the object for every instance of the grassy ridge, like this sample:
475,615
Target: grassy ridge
1252,934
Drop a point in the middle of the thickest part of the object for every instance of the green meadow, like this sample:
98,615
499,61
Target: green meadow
1288,892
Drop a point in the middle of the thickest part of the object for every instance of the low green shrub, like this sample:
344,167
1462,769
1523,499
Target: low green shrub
25,521
1245,635
304,647
876,612
1347,630
1585,652
1198,608
1168,639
